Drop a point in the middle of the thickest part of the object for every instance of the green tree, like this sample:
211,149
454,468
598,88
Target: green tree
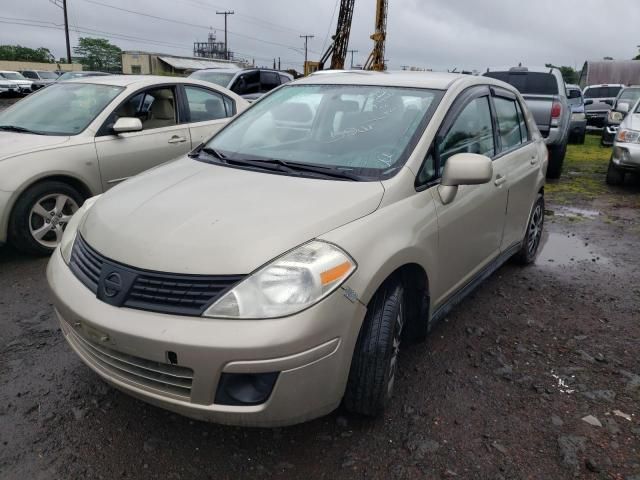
98,54
568,73
25,54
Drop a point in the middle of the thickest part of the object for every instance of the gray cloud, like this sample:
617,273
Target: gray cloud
426,33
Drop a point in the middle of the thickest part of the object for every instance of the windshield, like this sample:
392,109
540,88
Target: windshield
629,95
366,131
602,92
219,78
533,83
48,75
12,76
60,109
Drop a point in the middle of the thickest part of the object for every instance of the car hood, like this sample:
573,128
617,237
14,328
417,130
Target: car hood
197,218
13,143
632,122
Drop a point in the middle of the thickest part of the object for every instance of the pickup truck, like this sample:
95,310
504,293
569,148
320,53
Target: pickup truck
598,102
545,92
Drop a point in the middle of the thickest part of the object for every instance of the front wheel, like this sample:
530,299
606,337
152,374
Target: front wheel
615,176
375,359
40,216
531,243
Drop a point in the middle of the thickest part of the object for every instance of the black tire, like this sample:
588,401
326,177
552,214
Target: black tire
615,176
22,220
556,159
535,225
373,368
582,137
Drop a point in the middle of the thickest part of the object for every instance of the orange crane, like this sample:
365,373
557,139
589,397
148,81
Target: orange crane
338,48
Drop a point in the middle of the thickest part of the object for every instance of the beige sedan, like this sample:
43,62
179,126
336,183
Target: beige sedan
275,272
76,139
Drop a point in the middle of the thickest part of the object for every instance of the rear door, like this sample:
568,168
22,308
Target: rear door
470,227
164,135
207,112
516,163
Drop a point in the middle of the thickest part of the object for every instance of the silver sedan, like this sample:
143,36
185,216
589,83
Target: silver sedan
626,148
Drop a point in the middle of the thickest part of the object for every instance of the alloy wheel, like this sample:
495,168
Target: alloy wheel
49,217
535,230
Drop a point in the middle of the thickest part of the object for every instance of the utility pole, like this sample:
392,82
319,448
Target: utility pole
226,13
352,52
278,63
306,42
66,30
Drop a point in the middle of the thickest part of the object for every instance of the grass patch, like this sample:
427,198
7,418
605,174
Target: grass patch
583,175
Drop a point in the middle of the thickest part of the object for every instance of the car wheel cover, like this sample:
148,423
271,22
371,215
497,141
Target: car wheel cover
49,217
535,230
395,349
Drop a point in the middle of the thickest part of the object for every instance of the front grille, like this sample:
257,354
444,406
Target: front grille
163,377
124,286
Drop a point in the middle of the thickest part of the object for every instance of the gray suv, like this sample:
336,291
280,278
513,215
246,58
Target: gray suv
249,83
545,92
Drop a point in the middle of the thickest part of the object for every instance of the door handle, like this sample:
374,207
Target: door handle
499,180
177,139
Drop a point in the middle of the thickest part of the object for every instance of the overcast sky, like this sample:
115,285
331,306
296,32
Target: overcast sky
437,34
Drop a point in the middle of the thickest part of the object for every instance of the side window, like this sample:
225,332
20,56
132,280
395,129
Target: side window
247,83
156,108
268,81
508,123
230,106
30,75
205,105
284,79
524,129
472,132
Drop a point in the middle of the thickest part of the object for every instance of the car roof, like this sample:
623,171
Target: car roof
604,85
9,71
521,69
135,80
221,70
431,80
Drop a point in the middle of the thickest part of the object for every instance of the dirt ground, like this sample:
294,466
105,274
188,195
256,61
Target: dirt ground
505,388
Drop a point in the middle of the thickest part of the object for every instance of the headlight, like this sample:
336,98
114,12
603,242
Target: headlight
615,117
69,236
578,117
289,284
628,136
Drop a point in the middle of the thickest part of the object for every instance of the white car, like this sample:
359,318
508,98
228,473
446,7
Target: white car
17,80
76,139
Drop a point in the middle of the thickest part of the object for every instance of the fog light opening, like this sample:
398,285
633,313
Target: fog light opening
245,388
172,357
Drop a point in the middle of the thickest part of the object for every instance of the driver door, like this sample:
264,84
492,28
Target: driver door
163,136
470,227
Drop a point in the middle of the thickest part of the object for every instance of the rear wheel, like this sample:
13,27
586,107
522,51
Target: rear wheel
375,359
556,159
40,216
615,176
531,243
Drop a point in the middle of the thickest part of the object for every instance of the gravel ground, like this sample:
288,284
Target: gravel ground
535,376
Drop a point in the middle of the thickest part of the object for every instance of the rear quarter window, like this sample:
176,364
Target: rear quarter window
535,83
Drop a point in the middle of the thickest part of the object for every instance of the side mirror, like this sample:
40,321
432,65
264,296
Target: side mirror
127,124
464,169
623,107
588,102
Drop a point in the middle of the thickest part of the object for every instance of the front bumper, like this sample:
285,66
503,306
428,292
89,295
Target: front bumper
596,119
311,352
626,156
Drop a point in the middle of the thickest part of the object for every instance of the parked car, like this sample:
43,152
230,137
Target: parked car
75,139
578,126
250,83
598,102
73,75
545,92
256,282
20,84
40,78
626,148
623,103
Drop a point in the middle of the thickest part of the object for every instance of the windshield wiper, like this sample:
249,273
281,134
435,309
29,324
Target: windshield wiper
14,128
292,167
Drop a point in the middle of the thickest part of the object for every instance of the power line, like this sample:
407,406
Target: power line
335,9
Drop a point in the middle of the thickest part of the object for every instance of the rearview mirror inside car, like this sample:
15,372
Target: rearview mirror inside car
464,169
127,124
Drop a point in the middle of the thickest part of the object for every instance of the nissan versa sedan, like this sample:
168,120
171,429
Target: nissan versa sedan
275,271
77,138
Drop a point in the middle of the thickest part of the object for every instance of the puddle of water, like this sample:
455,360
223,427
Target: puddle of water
560,250
575,212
